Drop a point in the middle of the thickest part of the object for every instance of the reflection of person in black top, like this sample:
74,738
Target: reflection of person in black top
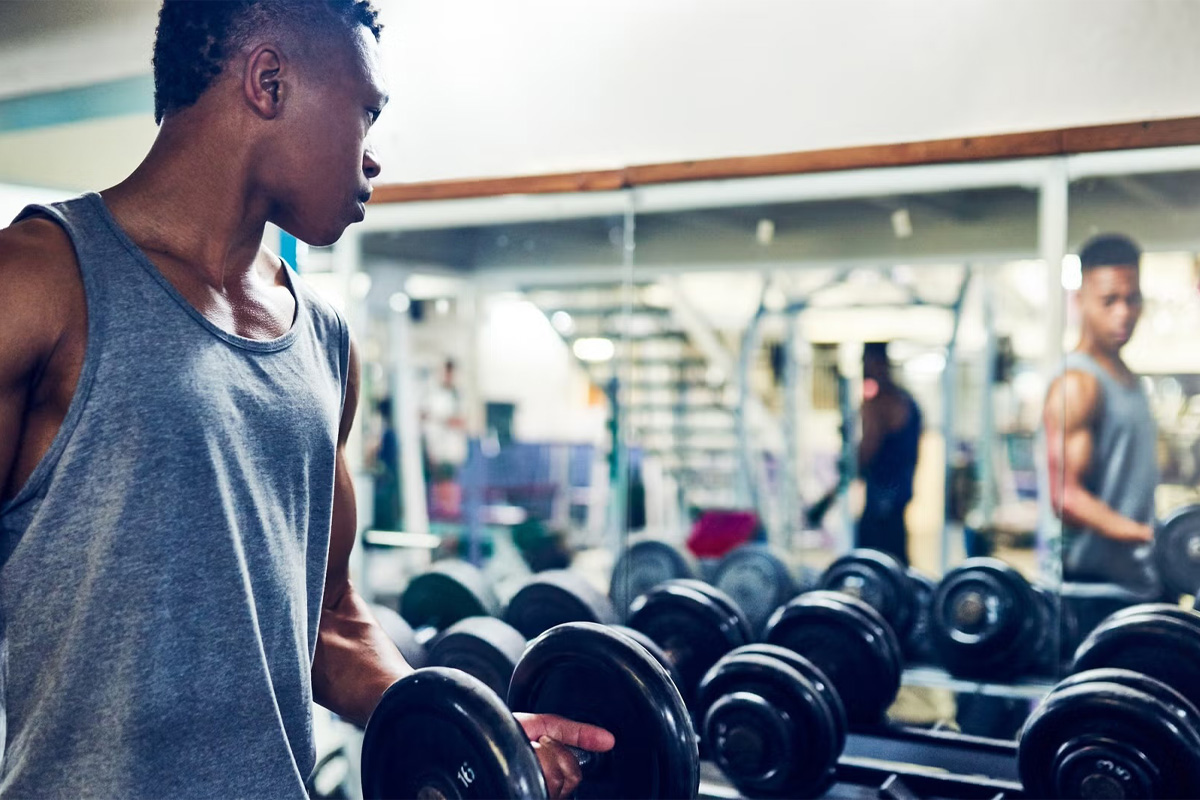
887,454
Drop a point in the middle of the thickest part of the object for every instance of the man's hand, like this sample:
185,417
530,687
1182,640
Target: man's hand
1134,533
548,733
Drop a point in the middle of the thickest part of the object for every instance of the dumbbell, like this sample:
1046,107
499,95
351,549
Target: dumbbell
774,716
878,579
1126,723
401,634
439,733
850,643
1177,550
917,645
693,624
452,611
772,722
758,579
988,623
555,597
644,563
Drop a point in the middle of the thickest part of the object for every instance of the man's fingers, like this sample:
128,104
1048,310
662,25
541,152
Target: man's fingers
559,767
576,734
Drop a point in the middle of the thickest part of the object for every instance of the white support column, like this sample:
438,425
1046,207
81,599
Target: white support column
406,420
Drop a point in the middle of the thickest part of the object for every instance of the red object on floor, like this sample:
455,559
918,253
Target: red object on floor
718,531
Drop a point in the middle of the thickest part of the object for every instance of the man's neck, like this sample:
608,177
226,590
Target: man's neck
190,201
1110,360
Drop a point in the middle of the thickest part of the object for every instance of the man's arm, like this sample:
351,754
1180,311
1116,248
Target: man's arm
356,661
36,261
1073,405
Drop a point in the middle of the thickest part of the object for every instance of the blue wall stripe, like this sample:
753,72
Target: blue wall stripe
115,98
287,250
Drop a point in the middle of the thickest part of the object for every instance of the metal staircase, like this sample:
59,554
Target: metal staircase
680,407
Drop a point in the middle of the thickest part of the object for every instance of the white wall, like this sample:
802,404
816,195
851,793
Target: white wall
531,86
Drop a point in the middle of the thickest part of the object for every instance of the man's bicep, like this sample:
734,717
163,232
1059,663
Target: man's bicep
27,330
1071,408
344,528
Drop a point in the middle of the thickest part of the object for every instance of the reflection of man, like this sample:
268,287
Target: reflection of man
887,454
1099,431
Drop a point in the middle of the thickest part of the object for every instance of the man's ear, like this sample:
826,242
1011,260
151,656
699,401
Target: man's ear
264,85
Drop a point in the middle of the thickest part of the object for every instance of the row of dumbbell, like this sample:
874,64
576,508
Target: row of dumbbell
982,621
840,658
773,716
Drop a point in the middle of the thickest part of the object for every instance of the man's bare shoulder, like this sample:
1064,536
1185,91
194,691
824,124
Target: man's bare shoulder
39,279
1074,397
34,250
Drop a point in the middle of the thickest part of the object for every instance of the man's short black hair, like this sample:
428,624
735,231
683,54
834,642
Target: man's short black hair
875,350
196,37
1109,250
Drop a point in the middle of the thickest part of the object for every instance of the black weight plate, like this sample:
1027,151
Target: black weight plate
1159,645
985,620
757,579
1177,549
644,564
693,623
917,645
447,592
1057,633
848,641
553,597
1184,615
653,649
593,674
441,733
877,579
771,722
1108,738
1181,708
724,601
401,634
483,647
819,680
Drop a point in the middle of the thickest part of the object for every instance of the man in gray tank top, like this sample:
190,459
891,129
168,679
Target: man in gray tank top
1099,433
176,510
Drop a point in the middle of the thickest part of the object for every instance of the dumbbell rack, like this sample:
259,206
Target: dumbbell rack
904,763
938,678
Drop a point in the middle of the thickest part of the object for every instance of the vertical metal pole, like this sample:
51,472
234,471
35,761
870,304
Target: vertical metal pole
791,432
619,500
1052,247
747,494
406,419
987,405
949,398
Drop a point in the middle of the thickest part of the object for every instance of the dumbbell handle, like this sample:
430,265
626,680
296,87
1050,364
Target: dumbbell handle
585,758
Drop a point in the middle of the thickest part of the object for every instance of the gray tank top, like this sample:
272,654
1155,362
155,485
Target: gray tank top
161,571
1124,475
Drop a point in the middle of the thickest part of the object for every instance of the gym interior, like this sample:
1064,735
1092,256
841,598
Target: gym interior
634,285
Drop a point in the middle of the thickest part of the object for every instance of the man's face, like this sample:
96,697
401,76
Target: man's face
324,155
1111,303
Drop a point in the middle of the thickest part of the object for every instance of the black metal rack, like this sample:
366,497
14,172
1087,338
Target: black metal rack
904,763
